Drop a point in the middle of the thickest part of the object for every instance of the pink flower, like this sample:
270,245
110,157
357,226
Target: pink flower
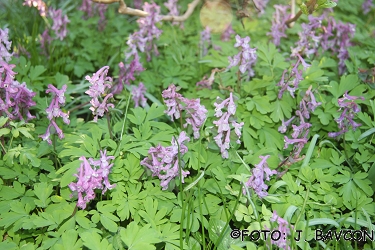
164,161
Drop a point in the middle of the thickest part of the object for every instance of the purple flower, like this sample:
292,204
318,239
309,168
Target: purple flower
260,5
308,42
226,119
5,46
283,228
196,113
279,27
54,111
291,81
367,6
59,23
349,109
138,95
260,173
246,58
90,178
148,29
173,11
284,125
163,161
99,82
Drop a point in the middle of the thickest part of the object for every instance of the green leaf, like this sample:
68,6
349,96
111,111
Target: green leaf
68,176
82,220
139,238
3,120
94,241
262,104
327,4
270,138
155,111
363,183
73,151
323,221
109,224
36,71
43,191
4,131
218,236
280,109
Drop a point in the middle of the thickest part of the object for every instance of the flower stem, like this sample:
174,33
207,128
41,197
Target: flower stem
109,125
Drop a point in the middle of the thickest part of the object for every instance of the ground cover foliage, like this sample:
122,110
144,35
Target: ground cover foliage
122,132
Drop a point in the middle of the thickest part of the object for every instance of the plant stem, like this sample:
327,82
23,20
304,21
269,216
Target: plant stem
304,205
2,145
79,106
109,125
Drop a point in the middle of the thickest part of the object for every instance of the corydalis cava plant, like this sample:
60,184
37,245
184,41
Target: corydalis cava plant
225,123
92,174
99,82
195,113
260,173
164,161
349,109
15,98
54,111
245,58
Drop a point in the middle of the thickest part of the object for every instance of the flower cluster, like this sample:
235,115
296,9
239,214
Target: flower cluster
138,95
59,23
278,23
39,4
59,27
139,41
148,29
195,112
15,98
336,38
226,119
54,111
349,108
307,105
308,42
90,8
283,228
164,161
90,178
100,81
5,46
246,58
260,5
260,173
367,6
173,11
291,81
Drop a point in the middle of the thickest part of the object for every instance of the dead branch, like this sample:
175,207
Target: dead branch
123,9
